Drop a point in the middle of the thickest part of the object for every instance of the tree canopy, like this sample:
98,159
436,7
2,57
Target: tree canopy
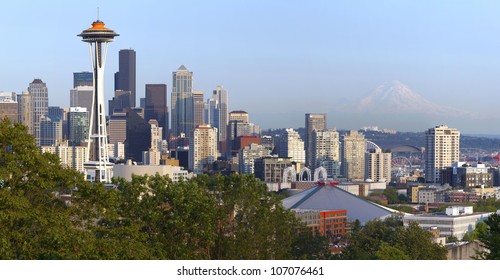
150,217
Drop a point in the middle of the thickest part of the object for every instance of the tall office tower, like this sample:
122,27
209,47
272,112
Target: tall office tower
378,165
442,148
50,131
125,77
241,116
220,94
247,157
119,103
25,110
216,111
117,128
138,136
182,102
211,113
325,149
81,97
40,97
78,126
292,146
198,107
202,148
98,164
353,156
313,122
8,106
83,79
155,107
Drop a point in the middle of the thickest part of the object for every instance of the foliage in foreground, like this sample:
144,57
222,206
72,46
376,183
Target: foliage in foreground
233,217
390,240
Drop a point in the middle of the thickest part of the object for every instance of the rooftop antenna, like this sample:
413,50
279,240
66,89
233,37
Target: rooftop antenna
97,13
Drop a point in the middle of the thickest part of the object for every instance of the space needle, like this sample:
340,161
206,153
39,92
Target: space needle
97,165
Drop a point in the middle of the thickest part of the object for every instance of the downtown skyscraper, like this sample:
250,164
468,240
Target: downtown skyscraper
156,106
182,102
313,122
40,104
216,111
125,78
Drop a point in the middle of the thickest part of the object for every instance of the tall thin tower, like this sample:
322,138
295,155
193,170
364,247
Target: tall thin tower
97,159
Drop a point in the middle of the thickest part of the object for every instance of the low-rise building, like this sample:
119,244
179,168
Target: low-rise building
328,223
456,221
126,171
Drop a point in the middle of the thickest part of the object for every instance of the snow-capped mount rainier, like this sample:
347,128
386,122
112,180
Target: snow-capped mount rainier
397,97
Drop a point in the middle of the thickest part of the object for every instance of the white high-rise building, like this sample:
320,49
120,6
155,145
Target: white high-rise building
325,150
292,146
156,136
202,148
378,166
40,104
442,149
353,156
247,157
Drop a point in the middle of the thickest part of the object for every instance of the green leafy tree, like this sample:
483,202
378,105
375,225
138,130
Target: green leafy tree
388,239
34,222
490,238
392,195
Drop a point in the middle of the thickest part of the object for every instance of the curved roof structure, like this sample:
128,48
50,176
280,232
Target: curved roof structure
331,197
405,149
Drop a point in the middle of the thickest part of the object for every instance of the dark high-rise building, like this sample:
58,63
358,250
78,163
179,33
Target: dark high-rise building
125,77
138,136
56,113
199,108
313,122
155,106
119,103
81,79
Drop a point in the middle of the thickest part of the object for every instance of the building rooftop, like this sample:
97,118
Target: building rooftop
331,197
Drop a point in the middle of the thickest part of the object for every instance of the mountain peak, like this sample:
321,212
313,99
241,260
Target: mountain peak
396,96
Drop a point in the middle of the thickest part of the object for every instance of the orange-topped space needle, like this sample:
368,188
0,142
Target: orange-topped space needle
97,165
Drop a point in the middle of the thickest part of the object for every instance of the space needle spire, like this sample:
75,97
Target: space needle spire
97,165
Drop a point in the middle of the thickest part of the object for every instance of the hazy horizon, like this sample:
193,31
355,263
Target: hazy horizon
277,59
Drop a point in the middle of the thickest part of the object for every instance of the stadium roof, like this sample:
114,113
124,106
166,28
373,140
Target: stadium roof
331,197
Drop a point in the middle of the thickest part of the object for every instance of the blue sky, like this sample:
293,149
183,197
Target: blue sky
278,59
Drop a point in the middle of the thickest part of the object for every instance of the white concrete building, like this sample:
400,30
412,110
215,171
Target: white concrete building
442,149
325,151
353,156
292,146
126,171
456,221
202,148
378,166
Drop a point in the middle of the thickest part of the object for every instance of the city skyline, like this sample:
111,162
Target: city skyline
295,59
